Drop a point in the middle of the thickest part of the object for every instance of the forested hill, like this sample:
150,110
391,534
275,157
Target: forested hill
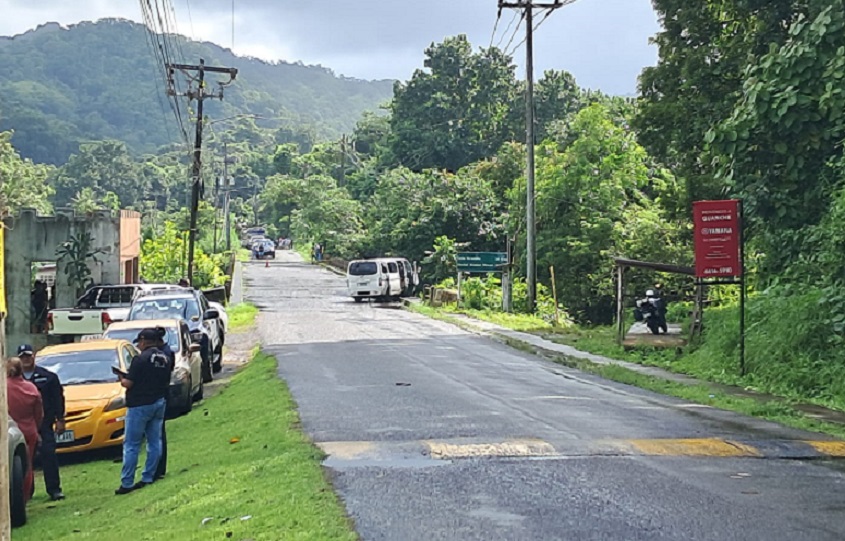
91,81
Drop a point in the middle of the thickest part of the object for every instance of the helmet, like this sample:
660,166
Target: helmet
649,293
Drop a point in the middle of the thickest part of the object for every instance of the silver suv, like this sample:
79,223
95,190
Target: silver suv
18,466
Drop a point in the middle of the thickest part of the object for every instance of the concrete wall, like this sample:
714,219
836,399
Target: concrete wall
130,246
31,238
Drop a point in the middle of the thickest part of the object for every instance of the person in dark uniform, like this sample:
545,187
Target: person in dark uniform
146,384
165,348
53,398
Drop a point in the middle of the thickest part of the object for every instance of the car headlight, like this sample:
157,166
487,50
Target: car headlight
116,403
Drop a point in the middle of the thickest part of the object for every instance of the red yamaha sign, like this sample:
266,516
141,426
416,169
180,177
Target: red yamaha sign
717,239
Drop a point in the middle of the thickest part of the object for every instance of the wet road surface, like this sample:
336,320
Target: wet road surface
436,433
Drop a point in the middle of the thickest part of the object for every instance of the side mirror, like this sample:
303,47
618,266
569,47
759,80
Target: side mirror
211,314
194,348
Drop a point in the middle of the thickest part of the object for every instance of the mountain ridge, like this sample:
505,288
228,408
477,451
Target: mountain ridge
58,90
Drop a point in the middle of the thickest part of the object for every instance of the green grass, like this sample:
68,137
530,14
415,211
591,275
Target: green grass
272,474
517,322
242,316
243,254
771,410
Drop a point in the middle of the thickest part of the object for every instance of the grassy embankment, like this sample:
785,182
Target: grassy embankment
242,316
238,455
783,359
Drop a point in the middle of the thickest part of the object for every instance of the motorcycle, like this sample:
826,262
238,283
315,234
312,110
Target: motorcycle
652,311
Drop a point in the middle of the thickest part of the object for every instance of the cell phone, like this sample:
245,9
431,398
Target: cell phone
118,372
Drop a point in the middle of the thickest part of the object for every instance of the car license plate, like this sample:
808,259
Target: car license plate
362,283
65,437
90,337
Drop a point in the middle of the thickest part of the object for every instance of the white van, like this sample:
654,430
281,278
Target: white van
384,279
367,279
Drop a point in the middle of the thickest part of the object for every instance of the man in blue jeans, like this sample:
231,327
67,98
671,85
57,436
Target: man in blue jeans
146,386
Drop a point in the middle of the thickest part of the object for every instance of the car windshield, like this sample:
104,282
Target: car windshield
81,367
129,335
153,308
362,268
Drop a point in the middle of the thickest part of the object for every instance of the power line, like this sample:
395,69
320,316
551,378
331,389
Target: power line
495,27
510,24
536,26
515,31
190,18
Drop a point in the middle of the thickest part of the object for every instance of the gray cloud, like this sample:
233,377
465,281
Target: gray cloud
604,43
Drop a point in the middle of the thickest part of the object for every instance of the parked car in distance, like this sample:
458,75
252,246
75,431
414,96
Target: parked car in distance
264,249
98,308
95,403
18,466
192,306
186,385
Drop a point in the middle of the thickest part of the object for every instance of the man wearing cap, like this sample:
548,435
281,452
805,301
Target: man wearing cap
146,387
53,398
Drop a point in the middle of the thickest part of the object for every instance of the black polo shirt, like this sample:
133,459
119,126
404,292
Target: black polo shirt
52,394
150,376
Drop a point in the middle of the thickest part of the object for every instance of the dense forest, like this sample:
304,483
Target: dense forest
58,88
747,100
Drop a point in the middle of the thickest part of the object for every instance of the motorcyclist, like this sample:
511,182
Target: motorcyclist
652,310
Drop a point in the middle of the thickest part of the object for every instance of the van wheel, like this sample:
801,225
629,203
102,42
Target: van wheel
18,503
358,299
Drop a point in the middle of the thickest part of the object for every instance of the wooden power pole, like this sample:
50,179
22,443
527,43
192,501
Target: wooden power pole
531,228
200,94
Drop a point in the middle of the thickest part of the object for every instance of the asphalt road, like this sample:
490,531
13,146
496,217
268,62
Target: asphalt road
436,433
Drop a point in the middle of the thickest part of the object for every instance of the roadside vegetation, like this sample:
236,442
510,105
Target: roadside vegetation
242,467
760,117
242,316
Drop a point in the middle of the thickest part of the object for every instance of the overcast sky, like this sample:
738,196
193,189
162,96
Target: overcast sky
604,43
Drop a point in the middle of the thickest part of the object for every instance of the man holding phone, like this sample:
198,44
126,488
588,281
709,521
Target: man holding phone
146,386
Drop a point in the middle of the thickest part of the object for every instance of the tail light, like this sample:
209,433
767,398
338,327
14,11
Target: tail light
50,321
106,319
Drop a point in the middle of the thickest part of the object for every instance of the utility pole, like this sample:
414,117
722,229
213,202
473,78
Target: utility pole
200,95
343,160
227,186
531,222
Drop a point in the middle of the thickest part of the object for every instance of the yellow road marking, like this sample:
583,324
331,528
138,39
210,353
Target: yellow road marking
510,448
694,447
347,450
830,448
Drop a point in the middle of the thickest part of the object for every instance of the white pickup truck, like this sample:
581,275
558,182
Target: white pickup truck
98,308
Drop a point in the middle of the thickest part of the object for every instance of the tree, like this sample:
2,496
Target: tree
163,260
455,113
103,166
777,147
22,183
597,198
410,210
704,49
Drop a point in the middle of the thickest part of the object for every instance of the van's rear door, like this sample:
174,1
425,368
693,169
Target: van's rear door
363,279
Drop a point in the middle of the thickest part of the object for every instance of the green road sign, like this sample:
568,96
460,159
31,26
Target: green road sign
482,262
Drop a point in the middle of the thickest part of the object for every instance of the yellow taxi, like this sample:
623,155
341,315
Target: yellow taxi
95,405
